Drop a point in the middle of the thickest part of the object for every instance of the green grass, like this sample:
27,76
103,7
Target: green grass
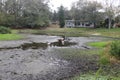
75,32
104,59
93,77
96,76
25,30
10,37
13,36
14,31
71,54
115,33
109,74
70,32
101,44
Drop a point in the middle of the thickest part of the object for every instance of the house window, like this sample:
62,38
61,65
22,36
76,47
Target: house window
83,24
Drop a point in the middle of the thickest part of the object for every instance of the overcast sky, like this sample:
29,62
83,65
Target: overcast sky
54,4
57,3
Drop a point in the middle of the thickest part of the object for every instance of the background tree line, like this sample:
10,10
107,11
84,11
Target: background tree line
24,13
102,15
37,13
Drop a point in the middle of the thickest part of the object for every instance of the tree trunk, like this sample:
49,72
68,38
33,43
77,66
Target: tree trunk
109,24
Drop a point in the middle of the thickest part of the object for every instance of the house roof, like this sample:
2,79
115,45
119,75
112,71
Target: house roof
77,21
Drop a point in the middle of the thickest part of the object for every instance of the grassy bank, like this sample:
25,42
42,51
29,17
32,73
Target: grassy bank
88,59
10,37
95,77
13,36
108,70
100,44
115,33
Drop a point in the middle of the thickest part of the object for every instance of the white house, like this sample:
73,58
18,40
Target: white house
78,23
69,23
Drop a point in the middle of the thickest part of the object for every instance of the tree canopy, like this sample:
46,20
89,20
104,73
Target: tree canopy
61,16
24,13
37,13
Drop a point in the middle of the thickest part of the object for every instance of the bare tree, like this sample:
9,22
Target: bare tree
111,10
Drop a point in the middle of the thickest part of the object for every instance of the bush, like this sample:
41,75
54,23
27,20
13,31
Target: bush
115,49
104,60
4,30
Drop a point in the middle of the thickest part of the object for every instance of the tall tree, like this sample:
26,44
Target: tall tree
32,13
55,16
110,10
91,12
61,17
87,11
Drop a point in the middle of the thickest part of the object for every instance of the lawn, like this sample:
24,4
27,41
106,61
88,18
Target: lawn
13,36
95,77
76,32
100,44
10,37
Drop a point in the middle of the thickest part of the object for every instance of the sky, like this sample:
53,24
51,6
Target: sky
54,4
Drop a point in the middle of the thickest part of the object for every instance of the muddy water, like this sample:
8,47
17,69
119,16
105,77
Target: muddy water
43,46
31,59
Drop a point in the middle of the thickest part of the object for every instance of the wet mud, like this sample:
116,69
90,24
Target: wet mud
32,59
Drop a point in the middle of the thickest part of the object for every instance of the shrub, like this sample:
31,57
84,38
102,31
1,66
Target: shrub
4,30
104,60
115,49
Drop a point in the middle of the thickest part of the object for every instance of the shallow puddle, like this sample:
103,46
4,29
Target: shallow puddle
66,44
35,45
